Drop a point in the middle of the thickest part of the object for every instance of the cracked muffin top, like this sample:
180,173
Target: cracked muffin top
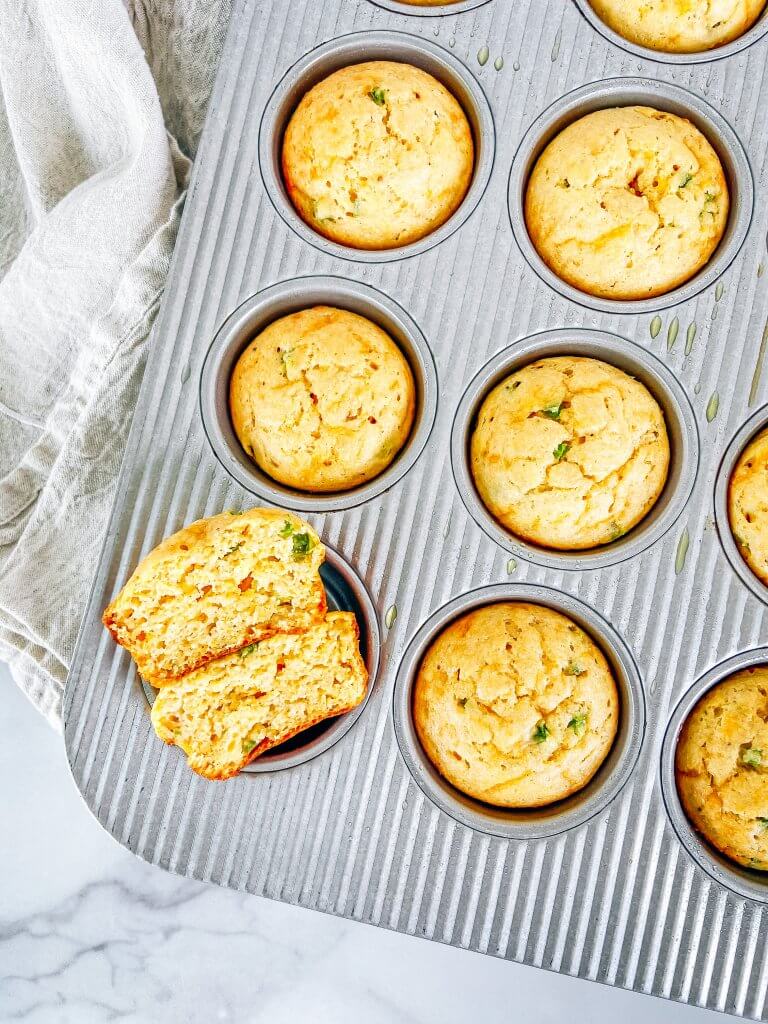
215,587
515,705
569,452
748,505
377,155
679,26
627,203
721,767
322,400
229,712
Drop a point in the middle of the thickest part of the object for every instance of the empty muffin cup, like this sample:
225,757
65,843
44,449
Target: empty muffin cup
754,33
345,592
627,92
263,309
346,52
531,822
743,881
662,385
734,547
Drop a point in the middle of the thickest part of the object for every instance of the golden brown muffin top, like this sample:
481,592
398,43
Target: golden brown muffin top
377,155
748,505
570,452
679,26
722,767
627,202
515,705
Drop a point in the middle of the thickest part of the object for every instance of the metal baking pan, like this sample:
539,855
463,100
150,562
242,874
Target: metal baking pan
613,886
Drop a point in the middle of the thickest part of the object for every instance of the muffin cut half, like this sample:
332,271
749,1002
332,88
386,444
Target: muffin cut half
227,713
216,586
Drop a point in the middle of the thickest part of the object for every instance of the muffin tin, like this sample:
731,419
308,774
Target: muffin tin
611,885
432,11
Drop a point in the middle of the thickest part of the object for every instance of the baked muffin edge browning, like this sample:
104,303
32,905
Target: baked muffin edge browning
662,25
569,452
748,505
515,705
323,400
377,155
627,203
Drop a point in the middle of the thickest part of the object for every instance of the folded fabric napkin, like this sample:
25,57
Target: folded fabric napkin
101,107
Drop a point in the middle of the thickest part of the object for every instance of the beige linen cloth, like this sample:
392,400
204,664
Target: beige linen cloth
101,107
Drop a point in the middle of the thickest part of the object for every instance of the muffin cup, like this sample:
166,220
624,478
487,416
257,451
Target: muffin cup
757,422
438,10
346,592
262,309
752,885
627,356
355,49
533,823
751,36
623,92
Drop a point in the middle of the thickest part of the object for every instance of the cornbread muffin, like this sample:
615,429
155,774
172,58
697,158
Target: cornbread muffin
748,505
515,705
627,203
679,26
377,155
569,452
228,712
323,400
721,766
216,586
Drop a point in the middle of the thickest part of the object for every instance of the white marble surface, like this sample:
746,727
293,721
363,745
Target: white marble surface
88,933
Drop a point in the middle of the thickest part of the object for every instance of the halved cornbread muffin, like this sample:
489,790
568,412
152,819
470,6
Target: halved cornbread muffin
322,399
228,712
516,705
679,26
721,767
627,202
377,155
216,586
570,452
